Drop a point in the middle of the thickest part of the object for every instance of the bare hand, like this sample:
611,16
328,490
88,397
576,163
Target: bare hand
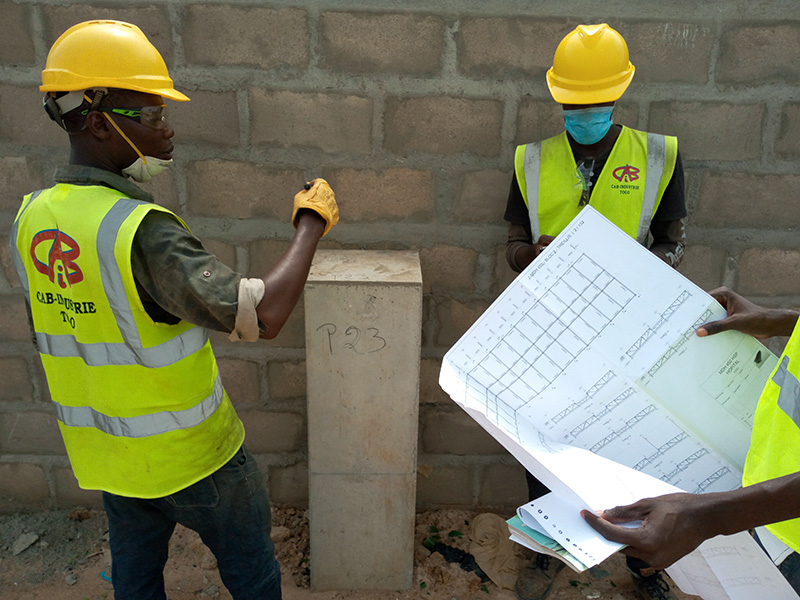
542,243
672,527
748,317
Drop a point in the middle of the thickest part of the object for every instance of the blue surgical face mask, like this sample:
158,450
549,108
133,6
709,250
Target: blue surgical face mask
588,126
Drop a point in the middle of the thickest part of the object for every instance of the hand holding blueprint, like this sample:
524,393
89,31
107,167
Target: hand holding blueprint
588,370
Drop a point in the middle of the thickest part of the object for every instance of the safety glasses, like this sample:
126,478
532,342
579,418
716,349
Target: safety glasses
154,117
584,173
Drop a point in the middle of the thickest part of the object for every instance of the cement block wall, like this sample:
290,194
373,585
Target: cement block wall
411,110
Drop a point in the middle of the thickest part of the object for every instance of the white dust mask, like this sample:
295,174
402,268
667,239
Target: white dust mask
145,168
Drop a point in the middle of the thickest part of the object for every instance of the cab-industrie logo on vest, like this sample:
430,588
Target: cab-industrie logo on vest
61,268
625,175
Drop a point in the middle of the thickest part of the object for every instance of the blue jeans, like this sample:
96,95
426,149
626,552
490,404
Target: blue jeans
229,509
790,569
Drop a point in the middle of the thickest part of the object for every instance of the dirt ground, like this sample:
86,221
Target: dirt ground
61,555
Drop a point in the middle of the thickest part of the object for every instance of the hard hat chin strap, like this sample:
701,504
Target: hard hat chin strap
124,137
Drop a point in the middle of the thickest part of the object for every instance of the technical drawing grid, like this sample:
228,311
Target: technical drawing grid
546,338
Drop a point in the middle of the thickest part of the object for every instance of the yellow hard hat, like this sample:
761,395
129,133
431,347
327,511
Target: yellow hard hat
107,54
590,66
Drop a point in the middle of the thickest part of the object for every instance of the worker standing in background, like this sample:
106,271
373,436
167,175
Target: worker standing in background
121,298
633,178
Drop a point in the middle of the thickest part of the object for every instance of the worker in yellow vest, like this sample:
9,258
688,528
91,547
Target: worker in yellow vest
675,524
121,298
634,178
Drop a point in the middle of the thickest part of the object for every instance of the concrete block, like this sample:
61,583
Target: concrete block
238,190
668,51
69,494
164,191
30,432
626,113
443,125
448,268
241,379
23,122
15,30
289,485
788,142
372,512
408,44
327,122
503,486
444,486
758,54
704,266
286,379
454,318
264,254
210,118
449,430
745,200
711,130
225,252
7,269
273,432
483,196
363,336
362,355
503,275
23,487
391,194
16,380
769,272
14,320
430,392
500,48
537,120
254,36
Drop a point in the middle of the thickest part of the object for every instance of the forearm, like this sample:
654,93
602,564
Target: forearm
520,251
771,501
669,241
284,284
671,253
519,255
782,321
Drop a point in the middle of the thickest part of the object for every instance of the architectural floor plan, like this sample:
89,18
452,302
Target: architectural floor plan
589,371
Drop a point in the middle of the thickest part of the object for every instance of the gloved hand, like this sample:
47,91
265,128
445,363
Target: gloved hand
317,196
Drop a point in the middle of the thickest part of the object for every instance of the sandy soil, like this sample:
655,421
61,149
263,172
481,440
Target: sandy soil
61,555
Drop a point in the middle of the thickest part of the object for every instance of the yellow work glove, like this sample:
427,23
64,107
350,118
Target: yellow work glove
317,196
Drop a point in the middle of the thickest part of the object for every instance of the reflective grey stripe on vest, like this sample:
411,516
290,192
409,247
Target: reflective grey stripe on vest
100,354
144,425
21,273
130,351
531,164
789,396
656,156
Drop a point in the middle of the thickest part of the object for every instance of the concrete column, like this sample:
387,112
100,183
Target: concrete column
363,323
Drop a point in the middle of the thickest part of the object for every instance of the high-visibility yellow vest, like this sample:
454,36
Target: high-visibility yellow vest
627,192
140,404
775,441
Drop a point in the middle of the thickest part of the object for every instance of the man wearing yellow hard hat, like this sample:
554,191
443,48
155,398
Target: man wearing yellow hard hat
122,297
632,177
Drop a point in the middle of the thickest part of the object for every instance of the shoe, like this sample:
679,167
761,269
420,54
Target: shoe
650,585
536,578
